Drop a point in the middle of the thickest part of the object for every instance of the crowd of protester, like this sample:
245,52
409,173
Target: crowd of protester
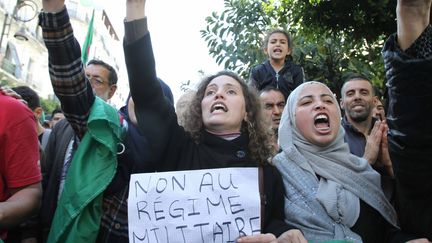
356,169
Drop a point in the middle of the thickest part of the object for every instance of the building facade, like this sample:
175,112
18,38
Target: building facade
23,56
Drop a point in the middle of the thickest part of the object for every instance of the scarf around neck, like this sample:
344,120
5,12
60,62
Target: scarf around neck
324,184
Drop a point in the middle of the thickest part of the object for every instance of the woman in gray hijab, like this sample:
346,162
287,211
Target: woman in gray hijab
330,193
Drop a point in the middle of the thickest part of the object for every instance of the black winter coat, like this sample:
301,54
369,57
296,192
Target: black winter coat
174,149
286,80
409,84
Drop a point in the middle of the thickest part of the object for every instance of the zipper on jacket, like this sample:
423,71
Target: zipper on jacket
277,80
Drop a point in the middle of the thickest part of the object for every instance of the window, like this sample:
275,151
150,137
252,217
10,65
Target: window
73,8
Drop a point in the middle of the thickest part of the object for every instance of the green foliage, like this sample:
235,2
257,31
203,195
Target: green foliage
330,61
233,36
49,105
4,83
333,38
358,20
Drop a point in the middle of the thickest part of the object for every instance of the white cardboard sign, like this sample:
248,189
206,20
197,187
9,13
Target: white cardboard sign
212,205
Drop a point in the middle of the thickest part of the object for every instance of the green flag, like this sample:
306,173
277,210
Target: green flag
78,214
87,3
88,41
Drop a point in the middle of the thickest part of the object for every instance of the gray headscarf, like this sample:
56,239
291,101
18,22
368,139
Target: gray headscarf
326,206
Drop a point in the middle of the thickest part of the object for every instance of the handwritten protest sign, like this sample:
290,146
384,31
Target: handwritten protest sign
214,205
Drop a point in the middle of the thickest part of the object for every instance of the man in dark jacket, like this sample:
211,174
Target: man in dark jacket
408,63
364,134
357,101
63,143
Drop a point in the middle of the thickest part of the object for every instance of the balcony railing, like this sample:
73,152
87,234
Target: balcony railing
8,66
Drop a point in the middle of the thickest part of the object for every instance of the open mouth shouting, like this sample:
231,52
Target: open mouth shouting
277,51
322,123
218,107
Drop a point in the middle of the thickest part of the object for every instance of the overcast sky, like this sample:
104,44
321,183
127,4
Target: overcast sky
174,26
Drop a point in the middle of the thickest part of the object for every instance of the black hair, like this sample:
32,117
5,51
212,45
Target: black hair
56,110
271,88
112,79
355,77
29,95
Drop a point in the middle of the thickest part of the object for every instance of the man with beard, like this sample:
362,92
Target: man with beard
365,135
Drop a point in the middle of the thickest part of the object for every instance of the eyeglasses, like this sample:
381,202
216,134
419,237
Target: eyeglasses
96,81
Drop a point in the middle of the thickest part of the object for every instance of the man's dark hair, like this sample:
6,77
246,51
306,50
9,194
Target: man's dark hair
56,110
354,77
29,95
112,79
271,88
357,76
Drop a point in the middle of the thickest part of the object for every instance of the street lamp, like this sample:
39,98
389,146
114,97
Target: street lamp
21,34
24,11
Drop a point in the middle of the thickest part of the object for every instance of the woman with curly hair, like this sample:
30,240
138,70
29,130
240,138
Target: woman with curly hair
224,126
254,124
